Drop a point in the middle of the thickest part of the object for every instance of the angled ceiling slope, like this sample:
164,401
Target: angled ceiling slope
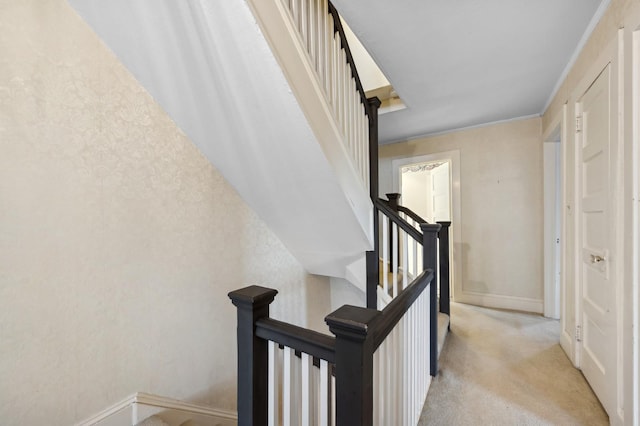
210,68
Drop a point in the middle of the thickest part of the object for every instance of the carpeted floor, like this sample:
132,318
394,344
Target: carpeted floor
507,368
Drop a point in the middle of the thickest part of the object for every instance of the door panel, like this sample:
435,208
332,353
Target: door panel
440,193
598,291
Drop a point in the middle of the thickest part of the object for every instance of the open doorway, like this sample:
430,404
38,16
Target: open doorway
552,223
443,204
425,189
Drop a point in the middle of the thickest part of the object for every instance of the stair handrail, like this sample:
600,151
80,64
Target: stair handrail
394,311
337,27
384,207
319,345
347,358
393,203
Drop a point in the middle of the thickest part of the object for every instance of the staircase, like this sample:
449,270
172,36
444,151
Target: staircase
238,79
269,92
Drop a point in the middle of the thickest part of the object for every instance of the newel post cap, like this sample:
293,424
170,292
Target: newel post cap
252,296
374,101
352,322
430,227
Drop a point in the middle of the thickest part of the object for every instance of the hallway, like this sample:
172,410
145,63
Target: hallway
507,368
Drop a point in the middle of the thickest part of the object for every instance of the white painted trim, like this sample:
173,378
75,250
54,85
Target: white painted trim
635,251
456,206
604,5
157,403
108,412
566,341
551,157
498,301
564,256
559,123
619,220
461,129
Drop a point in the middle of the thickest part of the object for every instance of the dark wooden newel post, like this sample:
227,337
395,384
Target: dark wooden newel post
445,280
353,328
394,201
373,267
429,261
253,354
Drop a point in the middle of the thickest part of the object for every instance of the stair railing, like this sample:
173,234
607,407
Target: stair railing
371,372
413,220
322,45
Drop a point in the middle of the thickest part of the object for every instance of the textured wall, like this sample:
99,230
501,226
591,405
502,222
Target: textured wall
118,240
621,14
501,197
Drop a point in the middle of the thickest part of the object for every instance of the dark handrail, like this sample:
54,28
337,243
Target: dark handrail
413,215
393,204
395,310
337,27
391,214
300,339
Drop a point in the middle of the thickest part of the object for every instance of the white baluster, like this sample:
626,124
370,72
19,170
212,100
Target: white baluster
304,23
314,31
325,395
295,13
393,389
336,77
415,259
307,365
383,382
416,363
328,42
274,391
405,370
385,253
405,259
394,250
333,400
287,386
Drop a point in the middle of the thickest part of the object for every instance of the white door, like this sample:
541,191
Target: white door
441,202
598,349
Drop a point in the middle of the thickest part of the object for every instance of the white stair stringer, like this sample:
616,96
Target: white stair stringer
209,66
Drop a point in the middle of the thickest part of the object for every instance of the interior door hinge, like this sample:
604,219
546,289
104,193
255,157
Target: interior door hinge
578,123
578,333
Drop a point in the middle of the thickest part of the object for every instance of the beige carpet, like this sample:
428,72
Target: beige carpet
507,368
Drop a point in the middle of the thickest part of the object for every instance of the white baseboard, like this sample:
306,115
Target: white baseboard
140,406
501,302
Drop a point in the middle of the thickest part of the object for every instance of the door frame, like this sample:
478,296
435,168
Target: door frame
553,183
610,55
632,128
453,157
567,322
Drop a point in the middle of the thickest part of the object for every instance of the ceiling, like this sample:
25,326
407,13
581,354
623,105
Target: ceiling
463,63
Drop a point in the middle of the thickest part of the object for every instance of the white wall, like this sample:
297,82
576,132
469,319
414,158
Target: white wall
416,192
501,198
118,240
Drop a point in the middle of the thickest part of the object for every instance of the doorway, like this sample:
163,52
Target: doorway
552,156
428,199
425,189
